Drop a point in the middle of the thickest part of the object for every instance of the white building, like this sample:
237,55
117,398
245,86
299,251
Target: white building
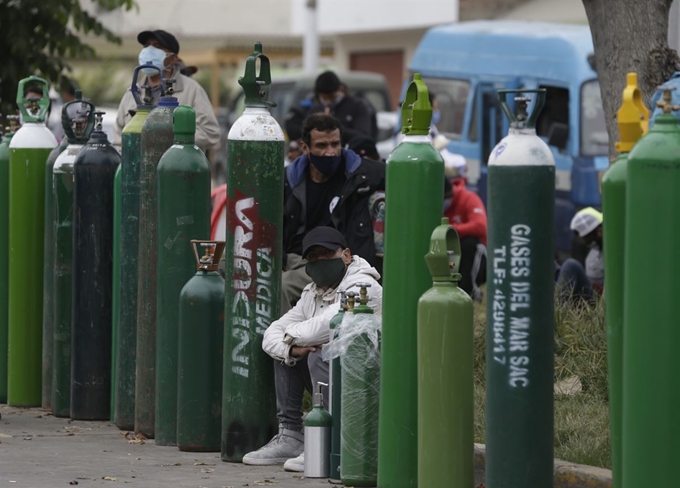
368,35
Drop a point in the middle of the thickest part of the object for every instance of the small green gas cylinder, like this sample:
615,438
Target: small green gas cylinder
445,369
633,118
199,369
336,387
318,425
360,397
651,384
29,149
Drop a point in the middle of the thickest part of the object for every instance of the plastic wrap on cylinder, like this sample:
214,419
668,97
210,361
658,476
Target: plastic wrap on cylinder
358,345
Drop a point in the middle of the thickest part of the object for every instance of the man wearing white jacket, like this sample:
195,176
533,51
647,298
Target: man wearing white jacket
296,339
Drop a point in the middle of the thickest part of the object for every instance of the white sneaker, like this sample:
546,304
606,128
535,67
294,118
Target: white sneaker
296,464
285,445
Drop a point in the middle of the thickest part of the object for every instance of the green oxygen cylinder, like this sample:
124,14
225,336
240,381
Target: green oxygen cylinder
520,306
414,168
29,149
335,376
157,137
183,214
633,118
126,361
201,338
253,265
115,290
77,130
48,277
360,395
651,385
11,129
445,369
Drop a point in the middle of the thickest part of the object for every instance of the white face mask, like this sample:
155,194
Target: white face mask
155,56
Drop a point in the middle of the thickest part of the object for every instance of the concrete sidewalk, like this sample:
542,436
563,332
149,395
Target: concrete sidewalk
38,450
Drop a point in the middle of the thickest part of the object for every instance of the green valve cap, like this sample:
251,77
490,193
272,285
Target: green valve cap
184,120
443,260
416,111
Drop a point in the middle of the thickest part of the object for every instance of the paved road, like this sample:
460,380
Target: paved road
46,452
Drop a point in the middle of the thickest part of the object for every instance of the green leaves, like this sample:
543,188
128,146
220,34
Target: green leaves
37,37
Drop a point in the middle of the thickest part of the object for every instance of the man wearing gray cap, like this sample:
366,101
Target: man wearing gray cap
295,340
161,49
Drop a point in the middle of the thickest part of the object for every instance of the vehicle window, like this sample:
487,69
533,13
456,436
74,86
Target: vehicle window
553,121
452,97
594,137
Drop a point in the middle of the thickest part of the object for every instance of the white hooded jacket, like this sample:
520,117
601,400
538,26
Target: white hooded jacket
307,324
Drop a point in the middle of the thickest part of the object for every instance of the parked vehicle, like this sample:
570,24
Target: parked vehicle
464,65
289,90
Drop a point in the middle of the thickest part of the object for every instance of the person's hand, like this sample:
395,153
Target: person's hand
300,352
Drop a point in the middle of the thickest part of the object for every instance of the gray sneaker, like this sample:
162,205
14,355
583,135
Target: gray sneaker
285,445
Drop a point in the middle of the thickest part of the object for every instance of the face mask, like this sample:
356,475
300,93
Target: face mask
326,272
153,55
436,115
328,165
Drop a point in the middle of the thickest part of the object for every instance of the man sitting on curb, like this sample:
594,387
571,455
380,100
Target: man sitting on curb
296,339
574,282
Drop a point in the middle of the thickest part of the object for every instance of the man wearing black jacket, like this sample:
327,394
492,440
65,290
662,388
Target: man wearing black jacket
326,186
356,115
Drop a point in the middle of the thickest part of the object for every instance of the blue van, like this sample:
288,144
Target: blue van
464,65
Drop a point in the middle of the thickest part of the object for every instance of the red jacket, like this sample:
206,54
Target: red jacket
467,213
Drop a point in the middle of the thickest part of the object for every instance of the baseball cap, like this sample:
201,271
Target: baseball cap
164,38
327,237
585,221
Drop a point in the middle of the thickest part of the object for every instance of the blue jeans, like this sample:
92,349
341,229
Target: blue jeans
573,283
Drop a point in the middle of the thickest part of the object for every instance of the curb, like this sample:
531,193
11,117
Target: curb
567,475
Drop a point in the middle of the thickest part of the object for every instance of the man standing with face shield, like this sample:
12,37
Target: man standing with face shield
295,340
161,49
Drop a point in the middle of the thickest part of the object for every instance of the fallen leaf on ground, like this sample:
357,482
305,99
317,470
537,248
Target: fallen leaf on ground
203,464
133,438
174,464
265,482
109,478
74,482
3,436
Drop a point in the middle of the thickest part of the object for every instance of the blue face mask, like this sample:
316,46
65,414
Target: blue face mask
153,55
436,115
327,165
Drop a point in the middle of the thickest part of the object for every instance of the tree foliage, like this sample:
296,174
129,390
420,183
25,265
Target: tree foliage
39,36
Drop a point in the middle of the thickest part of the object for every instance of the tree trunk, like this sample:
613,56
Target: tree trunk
629,35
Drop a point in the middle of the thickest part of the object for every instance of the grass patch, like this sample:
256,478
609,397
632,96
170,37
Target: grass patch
581,419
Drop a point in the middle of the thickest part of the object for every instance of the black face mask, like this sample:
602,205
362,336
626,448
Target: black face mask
327,165
326,272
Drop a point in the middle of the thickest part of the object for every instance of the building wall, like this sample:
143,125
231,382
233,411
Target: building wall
486,9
